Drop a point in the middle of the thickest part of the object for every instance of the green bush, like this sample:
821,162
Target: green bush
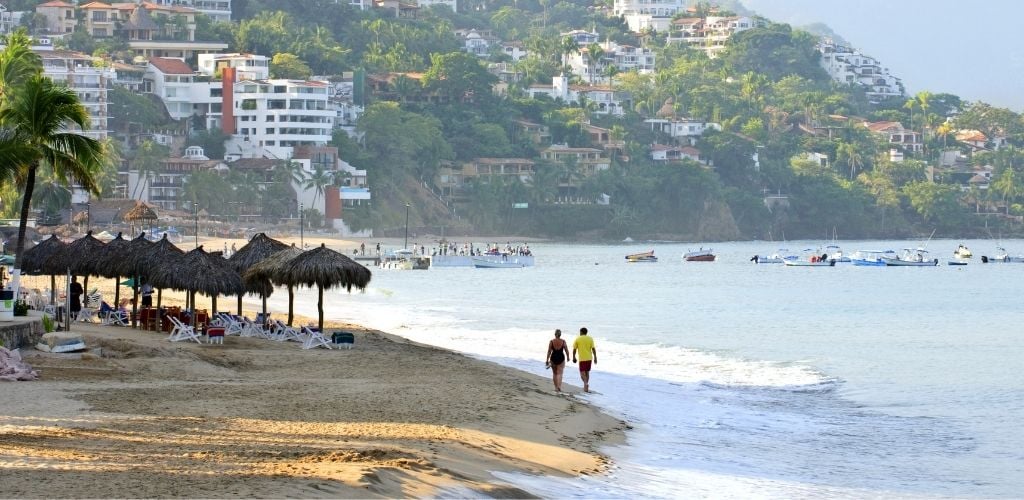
21,308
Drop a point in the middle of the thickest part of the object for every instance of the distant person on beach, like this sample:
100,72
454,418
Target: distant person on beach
558,352
362,248
76,297
147,295
584,345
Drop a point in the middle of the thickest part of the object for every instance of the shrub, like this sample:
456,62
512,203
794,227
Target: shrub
48,325
21,308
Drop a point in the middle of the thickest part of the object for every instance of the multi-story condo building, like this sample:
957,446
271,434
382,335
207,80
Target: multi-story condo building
218,10
247,66
708,33
281,114
606,100
641,15
183,92
164,187
585,161
60,16
621,57
150,29
847,65
89,82
896,135
9,20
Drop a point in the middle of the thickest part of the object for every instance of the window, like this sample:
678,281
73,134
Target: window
270,131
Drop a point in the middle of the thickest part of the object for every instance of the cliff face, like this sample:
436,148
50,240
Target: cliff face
717,223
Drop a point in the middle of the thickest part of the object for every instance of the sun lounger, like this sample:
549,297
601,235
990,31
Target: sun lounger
314,339
182,331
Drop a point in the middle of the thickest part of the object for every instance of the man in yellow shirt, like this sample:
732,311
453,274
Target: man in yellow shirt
584,344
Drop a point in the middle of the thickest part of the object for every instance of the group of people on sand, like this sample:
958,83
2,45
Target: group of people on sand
583,349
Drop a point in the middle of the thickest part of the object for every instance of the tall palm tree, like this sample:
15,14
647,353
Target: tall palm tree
38,113
594,54
568,46
318,182
17,62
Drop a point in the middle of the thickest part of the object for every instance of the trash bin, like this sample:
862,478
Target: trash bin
6,305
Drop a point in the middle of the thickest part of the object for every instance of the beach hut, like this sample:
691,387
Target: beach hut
141,214
266,271
257,249
39,260
325,268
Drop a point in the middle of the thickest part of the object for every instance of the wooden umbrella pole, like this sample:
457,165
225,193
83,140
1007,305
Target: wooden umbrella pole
240,304
117,292
264,297
291,301
320,305
53,289
135,301
213,305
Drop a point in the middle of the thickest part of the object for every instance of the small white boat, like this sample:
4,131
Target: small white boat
911,257
490,262
835,253
811,259
962,252
871,257
642,257
701,255
780,256
1002,256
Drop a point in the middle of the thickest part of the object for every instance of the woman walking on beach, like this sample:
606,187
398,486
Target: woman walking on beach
558,351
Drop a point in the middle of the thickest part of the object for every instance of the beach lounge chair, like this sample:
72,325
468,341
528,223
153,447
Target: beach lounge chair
233,325
111,316
314,339
283,332
181,331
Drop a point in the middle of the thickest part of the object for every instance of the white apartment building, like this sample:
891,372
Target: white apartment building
606,99
218,10
582,38
60,16
476,43
642,15
281,114
622,57
847,65
708,33
183,93
90,83
9,20
682,129
247,66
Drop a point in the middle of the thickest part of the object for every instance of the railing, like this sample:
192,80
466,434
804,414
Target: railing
448,206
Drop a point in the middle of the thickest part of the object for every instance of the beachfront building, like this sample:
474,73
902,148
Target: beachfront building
89,81
164,187
281,114
606,100
595,69
645,15
849,66
453,179
247,66
184,93
683,130
708,34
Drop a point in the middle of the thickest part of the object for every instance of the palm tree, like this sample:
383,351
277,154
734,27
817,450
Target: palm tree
17,63
594,55
567,47
38,113
318,182
853,159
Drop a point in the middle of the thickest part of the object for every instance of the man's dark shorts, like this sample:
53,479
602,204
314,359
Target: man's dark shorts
585,366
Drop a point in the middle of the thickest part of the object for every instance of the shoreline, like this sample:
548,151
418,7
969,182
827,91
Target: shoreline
254,417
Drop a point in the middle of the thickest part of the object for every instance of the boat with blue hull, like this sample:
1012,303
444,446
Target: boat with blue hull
871,257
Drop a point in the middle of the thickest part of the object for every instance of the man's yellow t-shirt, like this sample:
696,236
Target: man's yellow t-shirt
584,346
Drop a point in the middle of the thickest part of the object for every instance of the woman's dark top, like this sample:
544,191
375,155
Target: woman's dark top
557,352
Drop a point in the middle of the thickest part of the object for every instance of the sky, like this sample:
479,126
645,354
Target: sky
972,49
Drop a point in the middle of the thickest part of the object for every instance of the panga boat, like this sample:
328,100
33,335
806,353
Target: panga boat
913,258
501,262
701,255
1002,256
642,257
778,257
835,253
811,259
962,252
871,257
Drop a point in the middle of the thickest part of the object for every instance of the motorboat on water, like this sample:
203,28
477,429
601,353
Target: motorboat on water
503,262
642,257
404,259
811,259
701,255
962,252
780,256
871,257
912,257
1002,256
835,253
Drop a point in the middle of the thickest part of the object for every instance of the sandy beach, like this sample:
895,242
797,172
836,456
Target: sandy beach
258,418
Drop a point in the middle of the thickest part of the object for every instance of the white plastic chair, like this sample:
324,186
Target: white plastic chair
314,339
115,318
283,332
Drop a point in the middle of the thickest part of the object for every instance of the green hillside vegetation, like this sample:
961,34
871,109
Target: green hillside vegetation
766,90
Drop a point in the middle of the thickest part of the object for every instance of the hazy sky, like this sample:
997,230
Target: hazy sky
974,49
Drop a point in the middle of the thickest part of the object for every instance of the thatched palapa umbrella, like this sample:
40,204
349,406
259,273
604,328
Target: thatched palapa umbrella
325,268
109,263
149,262
198,271
126,267
80,257
39,260
140,213
257,249
268,270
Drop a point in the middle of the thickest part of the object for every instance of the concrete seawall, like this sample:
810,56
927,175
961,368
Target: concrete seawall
23,331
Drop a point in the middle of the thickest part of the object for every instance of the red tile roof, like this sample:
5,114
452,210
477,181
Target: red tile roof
56,3
170,66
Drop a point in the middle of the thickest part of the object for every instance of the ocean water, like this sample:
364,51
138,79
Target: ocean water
746,380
